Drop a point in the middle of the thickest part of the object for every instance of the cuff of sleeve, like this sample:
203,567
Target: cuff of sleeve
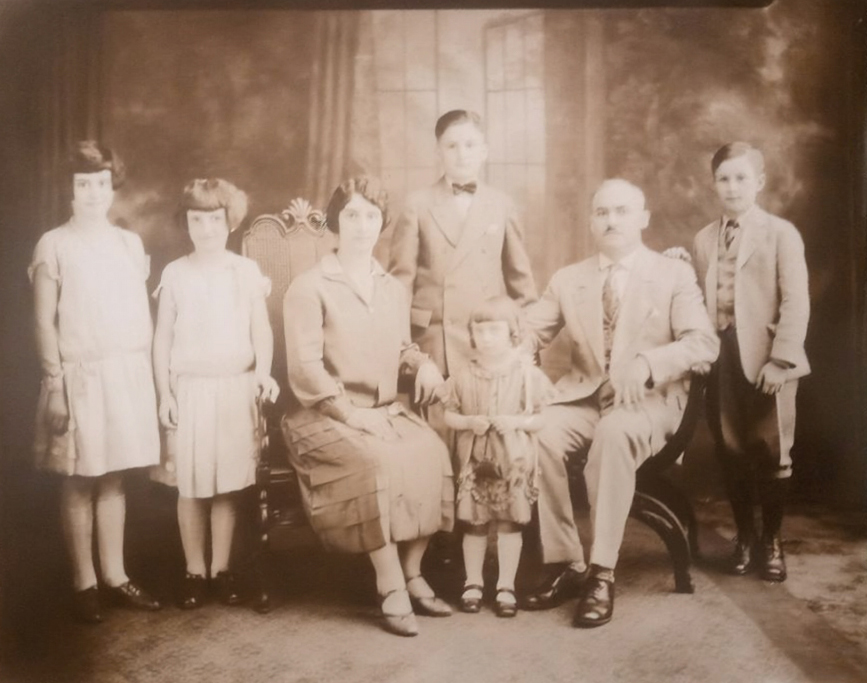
784,364
336,407
650,383
53,383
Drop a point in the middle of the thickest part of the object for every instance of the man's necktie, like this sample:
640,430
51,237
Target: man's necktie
610,297
729,232
469,188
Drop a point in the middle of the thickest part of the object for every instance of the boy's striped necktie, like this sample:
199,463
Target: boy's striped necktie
729,232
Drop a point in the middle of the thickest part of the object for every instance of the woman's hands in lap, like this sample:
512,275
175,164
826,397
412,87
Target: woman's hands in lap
373,422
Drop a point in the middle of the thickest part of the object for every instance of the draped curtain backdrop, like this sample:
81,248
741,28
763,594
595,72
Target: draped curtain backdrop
69,103
342,123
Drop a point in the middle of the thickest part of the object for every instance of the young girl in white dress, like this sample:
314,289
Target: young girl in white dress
212,360
493,404
97,413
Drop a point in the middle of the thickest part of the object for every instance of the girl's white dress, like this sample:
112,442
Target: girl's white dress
104,332
215,447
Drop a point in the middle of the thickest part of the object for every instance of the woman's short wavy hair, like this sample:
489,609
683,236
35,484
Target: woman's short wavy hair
365,186
498,308
210,194
91,156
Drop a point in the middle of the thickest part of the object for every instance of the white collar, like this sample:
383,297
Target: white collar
332,267
626,263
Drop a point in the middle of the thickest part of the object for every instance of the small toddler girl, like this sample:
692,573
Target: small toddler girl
493,404
212,360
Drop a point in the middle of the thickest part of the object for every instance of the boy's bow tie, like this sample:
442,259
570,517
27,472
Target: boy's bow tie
469,188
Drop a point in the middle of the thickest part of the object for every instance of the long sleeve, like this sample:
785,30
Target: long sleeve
517,272
792,277
403,257
695,341
303,321
544,318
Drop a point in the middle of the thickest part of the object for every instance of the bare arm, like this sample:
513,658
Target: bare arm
477,424
164,334
46,296
263,348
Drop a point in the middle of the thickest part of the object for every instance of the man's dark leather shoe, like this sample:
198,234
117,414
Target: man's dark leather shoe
597,606
741,560
555,591
773,561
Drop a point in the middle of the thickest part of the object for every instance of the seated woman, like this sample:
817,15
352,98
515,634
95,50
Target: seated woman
374,477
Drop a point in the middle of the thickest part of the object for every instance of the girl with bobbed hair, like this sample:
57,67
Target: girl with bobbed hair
96,415
212,360
374,477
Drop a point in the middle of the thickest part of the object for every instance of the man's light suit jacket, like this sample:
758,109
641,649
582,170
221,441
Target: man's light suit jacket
451,264
662,317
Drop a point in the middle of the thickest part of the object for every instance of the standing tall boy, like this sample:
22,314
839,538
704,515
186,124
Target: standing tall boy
458,243
752,268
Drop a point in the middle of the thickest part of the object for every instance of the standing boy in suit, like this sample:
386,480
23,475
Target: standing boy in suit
637,326
457,244
752,268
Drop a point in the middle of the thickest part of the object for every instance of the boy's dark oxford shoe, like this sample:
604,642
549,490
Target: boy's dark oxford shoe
597,606
228,590
556,590
773,561
134,597
86,606
741,561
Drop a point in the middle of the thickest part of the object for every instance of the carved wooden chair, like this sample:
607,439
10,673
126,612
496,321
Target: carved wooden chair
658,502
284,245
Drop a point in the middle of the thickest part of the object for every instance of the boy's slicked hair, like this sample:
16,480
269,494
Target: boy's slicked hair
454,117
368,187
738,149
210,194
495,309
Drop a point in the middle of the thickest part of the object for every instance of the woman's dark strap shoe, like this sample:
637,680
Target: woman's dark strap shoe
134,597
86,606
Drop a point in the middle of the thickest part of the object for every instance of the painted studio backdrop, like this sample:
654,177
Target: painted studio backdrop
285,103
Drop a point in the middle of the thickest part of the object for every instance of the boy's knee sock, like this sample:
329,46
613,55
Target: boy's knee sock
474,546
773,493
76,516
738,488
508,557
110,522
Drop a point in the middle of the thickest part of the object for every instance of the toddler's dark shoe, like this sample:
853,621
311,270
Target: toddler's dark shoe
86,606
133,596
471,598
506,604
228,588
193,591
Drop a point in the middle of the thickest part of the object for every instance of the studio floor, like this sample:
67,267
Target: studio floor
324,627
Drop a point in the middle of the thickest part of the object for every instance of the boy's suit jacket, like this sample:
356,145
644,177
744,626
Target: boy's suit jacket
772,299
662,317
451,265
